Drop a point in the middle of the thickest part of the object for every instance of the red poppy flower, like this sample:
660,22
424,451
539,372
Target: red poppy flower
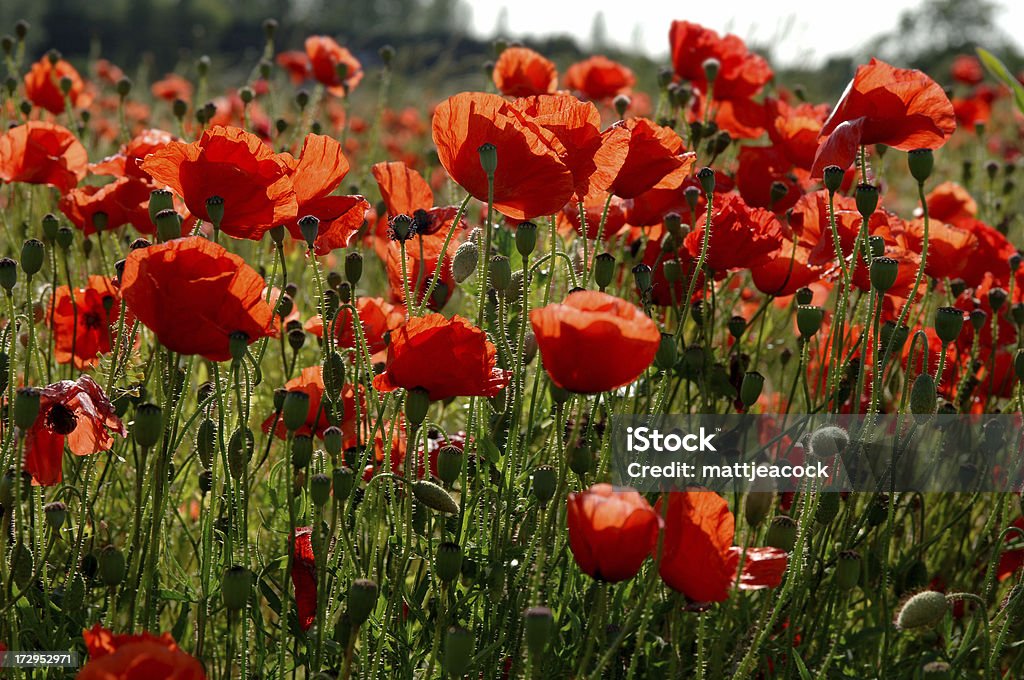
377,316
82,332
741,74
787,272
171,87
990,257
405,192
531,179
655,157
114,203
599,78
611,531
663,293
316,174
446,357
311,381
193,294
136,657
521,72
42,85
76,412
296,63
901,108
594,342
329,61
949,248
760,167
698,558
971,111
304,576
420,266
967,69
42,153
127,162
107,71
950,202
235,165
593,210
794,130
741,237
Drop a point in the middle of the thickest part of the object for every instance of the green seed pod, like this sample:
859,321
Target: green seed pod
302,451
334,372
706,177
750,388
295,409
168,225
32,255
8,274
621,104
828,508
1018,364
884,271
238,345
757,505
362,600
448,562
333,441
343,480
604,270
50,226
782,533
924,610
667,355
320,489
449,464
921,162
804,296
206,442
923,398
866,197
847,573
159,201
148,425
828,441
778,192
488,157
111,566
948,323
808,320
672,270
544,480
526,238
309,227
642,277
465,260
56,514
26,407
581,458
832,176
417,403
353,268
215,210
500,273
236,587
434,497
539,627
737,326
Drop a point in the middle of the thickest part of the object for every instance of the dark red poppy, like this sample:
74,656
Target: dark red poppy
521,72
655,157
42,153
991,256
446,357
531,178
311,382
594,342
254,182
611,531
114,656
901,108
42,86
75,412
741,237
193,294
109,206
83,331
741,73
599,78
304,576
333,65
377,316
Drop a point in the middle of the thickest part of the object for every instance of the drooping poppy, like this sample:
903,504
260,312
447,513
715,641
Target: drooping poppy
42,85
311,382
82,330
227,162
594,342
655,157
531,179
901,108
304,576
42,153
741,73
522,72
333,65
377,317
446,357
193,294
599,78
76,412
94,208
611,531
114,656
741,237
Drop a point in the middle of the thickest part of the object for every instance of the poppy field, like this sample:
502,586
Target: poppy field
299,381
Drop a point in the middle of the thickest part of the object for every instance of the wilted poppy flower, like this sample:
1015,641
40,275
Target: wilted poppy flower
127,162
611,531
94,208
741,73
599,78
304,576
42,85
594,342
317,173
741,237
235,165
311,382
171,87
333,65
446,357
82,330
193,294
377,316
42,153
146,656
531,179
521,72
901,108
698,557
73,411
655,157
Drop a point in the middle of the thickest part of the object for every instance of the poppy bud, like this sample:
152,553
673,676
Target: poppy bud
997,298
449,464
50,226
236,587
544,482
711,67
808,320
621,103
240,448
464,262
692,196
8,274
804,296
782,533
604,270
353,267
526,238
434,497
667,354
26,108
642,277
215,210
65,237
65,85
320,488
884,271
581,458
924,610
21,29
921,163
559,395
978,318
362,600
757,505
56,514
178,108
32,252
539,625
448,561
832,177
847,573
302,451
111,566
501,273
458,651
706,176
332,440
296,339
948,323
750,388
417,402
238,344
828,508
922,395
206,441
867,199
309,227
148,425
488,158
672,270
343,479
294,409
246,94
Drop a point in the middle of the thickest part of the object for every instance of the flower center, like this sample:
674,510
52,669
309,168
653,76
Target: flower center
61,420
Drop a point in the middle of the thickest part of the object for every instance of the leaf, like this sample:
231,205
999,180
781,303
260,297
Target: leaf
801,667
489,450
173,595
1002,74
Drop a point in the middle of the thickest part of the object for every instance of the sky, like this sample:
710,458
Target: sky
812,30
